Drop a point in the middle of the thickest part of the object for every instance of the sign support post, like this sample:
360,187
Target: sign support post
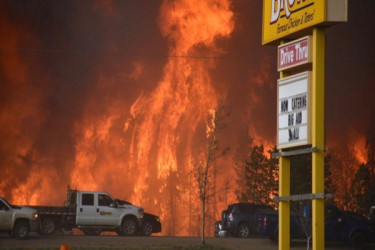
284,206
284,190
318,137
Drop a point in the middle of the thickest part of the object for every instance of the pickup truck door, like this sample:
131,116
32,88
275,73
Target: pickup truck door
86,208
109,214
5,217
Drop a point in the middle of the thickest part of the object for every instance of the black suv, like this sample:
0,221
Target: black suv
151,223
239,220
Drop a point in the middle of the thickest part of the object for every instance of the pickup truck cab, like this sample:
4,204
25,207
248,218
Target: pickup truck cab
17,221
98,210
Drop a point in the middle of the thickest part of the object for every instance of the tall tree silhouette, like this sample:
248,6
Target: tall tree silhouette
363,185
259,177
344,164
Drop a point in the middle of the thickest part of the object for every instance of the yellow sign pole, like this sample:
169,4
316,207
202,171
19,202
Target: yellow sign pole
284,206
318,137
284,190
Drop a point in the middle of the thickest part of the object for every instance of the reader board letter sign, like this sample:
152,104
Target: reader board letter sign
293,54
294,111
284,18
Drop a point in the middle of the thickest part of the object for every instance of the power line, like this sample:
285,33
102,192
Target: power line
98,52
118,54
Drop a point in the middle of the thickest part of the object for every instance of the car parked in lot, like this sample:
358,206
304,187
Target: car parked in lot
151,223
239,219
341,226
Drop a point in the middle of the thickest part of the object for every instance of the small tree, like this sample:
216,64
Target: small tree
203,166
302,209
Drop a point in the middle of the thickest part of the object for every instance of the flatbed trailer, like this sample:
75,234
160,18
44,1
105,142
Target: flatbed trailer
52,218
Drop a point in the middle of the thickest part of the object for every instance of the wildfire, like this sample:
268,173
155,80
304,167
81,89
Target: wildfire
126,126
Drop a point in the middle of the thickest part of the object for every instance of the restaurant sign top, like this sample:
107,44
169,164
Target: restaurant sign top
287,18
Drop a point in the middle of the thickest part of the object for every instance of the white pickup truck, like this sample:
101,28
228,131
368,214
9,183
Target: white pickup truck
17,221
92,212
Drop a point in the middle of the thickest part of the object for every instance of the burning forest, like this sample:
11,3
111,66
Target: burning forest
120,96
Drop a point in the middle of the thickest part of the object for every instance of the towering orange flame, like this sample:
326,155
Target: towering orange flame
360,149
167,125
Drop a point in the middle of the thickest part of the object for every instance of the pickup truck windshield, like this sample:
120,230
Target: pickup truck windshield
7,203
105,200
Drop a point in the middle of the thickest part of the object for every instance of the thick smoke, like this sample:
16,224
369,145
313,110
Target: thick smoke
54,57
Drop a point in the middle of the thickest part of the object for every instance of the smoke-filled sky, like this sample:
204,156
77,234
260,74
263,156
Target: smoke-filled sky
118,95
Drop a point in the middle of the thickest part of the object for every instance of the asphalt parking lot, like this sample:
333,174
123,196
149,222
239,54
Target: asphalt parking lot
36,241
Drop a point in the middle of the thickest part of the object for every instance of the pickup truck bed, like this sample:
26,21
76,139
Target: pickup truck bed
54,210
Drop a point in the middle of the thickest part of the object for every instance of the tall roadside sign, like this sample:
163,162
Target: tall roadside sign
297,26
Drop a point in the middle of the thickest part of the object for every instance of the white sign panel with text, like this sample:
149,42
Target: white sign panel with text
294,115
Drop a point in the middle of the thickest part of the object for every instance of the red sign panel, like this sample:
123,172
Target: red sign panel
295,53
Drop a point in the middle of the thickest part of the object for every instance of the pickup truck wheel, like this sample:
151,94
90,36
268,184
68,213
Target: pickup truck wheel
147,228
21,230
48,226
243,230
358,240
129,227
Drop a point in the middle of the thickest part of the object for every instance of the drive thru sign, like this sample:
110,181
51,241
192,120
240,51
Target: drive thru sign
295,53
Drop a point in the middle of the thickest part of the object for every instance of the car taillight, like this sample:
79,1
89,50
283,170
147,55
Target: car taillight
231,215
265,221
